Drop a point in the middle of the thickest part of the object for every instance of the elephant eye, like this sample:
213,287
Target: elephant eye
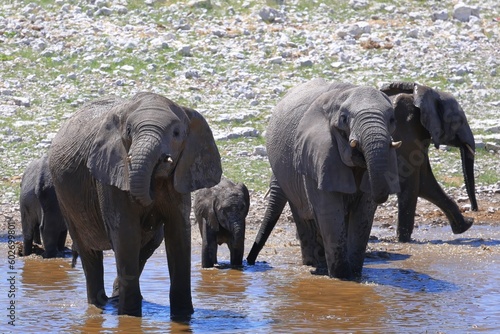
129,130
176,132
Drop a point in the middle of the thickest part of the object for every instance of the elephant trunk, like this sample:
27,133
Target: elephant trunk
467,145
375,145
468,171
238,243
276,204
144,156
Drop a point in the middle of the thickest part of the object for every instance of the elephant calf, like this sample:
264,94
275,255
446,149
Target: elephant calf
220,213
40,212
424,115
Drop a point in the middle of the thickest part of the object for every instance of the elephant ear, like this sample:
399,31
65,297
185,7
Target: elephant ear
199,165
212,219
398,87
317,153
429,103
108,155
246,196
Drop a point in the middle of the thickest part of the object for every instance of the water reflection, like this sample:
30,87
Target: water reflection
329,303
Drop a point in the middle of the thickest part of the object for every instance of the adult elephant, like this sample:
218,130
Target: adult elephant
220,212
123,171
424,116
40,212
333,160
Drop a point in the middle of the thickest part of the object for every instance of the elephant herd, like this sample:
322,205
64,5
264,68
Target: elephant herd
120,175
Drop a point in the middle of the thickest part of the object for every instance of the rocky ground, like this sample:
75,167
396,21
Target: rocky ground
233,61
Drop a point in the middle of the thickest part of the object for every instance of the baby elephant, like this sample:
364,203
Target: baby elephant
220,213
40,212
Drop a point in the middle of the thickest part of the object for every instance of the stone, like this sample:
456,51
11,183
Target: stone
260,151
275,60
440,15
463,13
268,14
185,51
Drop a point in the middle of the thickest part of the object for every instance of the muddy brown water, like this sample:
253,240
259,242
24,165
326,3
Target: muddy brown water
439,283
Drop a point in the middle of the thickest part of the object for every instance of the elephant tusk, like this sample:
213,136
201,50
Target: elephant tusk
169,159
353,143
396,144
129,158
470,149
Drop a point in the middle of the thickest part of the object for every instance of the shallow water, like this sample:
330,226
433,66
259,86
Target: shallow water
440,283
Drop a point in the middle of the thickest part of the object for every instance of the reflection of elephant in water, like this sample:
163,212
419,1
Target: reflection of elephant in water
220,212
333,160
424,115
123,171
40,212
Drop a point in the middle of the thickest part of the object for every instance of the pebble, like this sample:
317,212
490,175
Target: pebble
238,64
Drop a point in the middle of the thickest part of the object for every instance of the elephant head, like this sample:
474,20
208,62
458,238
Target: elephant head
151,137
345,127
443,117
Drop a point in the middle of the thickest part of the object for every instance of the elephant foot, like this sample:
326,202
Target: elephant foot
100,301
404,238
182,316
321,271
404,233
463,226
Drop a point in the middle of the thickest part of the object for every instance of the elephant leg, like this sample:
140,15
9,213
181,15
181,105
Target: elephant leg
178,247
52,224
145,253
276,204
359,227
432,191
36,235
311,244
92,263
407,205
31,231
61,244
329,210
208,246
124,230
50,237
27,246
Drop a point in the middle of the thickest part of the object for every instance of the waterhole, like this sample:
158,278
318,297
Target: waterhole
438,283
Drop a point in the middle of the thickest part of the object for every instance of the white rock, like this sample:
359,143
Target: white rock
260,151
463,12
440,15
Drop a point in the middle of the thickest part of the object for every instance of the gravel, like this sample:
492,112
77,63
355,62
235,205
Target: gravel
234,62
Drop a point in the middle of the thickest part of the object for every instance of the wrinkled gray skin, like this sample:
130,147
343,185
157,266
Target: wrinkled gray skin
333,160
123,171
424,115
40,212
220,212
